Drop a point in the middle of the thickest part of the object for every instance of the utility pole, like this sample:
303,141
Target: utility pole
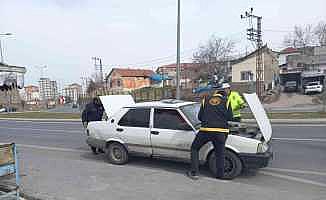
255,35
99,67
178,54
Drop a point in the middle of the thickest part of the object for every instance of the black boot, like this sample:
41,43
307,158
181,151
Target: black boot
192,175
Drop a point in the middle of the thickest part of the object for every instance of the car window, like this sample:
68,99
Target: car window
136,118
169,119
313,83
191,112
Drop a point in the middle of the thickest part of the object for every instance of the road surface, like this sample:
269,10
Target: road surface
57,164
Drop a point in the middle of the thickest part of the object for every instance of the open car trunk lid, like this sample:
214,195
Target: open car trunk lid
113,103
260,115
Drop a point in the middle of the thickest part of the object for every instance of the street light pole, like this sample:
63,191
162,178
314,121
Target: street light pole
178,54
1,52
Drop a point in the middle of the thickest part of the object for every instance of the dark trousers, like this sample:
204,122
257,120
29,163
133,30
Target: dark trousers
236,119
218,140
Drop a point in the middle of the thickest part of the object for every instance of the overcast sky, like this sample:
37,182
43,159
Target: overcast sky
65,34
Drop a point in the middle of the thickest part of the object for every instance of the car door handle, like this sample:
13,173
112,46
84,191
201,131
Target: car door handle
119,129
155,132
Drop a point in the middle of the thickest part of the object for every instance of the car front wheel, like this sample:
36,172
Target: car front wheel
117,154
232,164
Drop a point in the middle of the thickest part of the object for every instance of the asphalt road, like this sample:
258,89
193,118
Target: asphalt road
57,164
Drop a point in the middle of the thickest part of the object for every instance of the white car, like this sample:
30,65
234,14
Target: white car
313,87
167,128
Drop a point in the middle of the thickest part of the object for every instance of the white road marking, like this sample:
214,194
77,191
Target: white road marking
301,139
51,148
292,178
295,171
36,129
298,125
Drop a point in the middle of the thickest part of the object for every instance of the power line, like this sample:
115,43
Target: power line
154,60
275,30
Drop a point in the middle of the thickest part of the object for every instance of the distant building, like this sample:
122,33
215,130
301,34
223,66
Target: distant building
303,59
72,92
32,94
48,89
188,74
244,69
302,65
283,55
128,79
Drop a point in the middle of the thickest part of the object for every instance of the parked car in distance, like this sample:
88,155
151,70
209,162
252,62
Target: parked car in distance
315,86
290,86
166,129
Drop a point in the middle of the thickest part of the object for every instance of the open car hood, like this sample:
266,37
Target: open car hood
113,103
260,115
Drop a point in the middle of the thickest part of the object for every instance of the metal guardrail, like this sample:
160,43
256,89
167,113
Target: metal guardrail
9,167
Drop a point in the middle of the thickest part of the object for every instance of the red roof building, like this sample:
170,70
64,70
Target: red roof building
128,79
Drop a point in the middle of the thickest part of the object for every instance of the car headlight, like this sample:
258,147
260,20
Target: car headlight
262,148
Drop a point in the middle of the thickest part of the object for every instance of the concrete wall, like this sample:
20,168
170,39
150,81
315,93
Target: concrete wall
246,65
270,66
271,70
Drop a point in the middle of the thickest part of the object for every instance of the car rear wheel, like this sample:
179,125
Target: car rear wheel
232,164
117,154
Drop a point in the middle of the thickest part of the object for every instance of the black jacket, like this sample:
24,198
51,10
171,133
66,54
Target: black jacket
92,112
214,113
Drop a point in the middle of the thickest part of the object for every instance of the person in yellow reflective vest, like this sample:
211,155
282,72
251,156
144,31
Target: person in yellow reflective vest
234,101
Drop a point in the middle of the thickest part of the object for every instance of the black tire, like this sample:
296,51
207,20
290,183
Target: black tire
232,164
117,154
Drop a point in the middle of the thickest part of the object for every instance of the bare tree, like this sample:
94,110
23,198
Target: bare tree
213,56
300,37
320,31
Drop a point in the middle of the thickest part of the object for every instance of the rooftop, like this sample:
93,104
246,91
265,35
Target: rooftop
289,50
132,72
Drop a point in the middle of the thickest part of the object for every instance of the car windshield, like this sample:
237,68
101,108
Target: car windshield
312,83
191,112
291,83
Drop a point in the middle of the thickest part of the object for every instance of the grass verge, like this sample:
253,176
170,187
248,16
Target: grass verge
292,115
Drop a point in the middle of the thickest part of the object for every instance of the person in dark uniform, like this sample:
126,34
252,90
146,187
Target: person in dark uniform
214,116
93,112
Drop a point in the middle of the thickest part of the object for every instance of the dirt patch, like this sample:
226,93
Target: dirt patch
293,99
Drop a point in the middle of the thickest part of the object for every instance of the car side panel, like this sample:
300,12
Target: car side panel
172,143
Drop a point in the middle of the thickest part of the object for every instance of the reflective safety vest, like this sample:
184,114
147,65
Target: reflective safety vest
236,102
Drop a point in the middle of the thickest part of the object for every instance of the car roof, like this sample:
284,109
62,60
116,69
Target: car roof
168,103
